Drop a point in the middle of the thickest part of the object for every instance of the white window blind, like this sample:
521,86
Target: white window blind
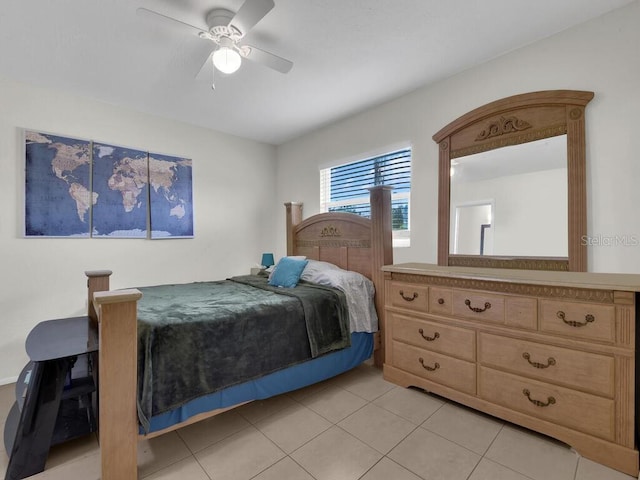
344,188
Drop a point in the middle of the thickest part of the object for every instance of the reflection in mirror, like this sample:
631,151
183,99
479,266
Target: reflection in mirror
524,192
470,234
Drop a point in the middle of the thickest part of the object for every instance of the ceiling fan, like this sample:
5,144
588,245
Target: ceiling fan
226,30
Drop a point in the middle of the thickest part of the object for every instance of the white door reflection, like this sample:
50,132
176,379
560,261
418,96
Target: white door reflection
473,234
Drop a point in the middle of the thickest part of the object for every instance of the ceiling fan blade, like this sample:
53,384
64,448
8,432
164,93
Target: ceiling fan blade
169,21
270,60
250,13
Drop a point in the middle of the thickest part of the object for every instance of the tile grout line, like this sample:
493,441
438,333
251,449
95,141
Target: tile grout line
371,467
153,472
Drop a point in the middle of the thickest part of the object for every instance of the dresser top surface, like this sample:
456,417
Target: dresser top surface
609,281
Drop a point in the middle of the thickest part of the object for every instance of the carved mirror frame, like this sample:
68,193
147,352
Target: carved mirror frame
511,121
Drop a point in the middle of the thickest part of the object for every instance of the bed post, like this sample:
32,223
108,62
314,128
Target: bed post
382,253
118,373
294,217
116,315
97,281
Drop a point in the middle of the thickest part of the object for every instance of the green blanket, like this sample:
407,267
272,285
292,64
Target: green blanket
195,339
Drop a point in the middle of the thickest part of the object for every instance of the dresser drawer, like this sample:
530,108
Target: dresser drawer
585,320
454,341
407,295
581,411
436,367
481,306
440,300
590,372
521,312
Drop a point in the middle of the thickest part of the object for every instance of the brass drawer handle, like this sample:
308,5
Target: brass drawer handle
588,318
550,361
487,306
441,301
409,299
538,403
427,338
427,367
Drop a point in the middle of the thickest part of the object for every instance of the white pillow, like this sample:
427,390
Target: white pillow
358,289
315,268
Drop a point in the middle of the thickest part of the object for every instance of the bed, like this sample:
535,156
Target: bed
344,240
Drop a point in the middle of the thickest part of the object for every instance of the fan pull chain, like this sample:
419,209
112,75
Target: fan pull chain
213,77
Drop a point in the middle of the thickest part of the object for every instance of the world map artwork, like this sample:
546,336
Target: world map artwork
79,188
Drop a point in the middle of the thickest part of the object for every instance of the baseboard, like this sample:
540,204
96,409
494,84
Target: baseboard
8,380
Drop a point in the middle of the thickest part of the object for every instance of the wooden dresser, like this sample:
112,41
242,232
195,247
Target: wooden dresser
551,351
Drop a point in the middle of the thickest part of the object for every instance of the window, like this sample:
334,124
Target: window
344,189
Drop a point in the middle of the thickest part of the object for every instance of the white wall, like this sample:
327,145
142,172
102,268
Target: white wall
44,278
600,56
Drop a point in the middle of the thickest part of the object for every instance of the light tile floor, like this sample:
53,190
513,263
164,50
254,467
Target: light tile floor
355,426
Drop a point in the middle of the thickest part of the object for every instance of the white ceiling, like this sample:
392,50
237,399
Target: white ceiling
348,54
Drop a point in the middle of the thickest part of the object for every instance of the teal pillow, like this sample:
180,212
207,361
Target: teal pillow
287,272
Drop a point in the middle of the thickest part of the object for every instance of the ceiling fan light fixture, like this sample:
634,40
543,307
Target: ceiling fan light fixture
226,59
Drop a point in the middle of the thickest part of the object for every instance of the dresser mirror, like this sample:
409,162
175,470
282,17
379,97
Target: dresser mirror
512,184
497,206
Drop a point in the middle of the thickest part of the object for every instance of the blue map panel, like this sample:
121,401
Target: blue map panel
58,194
121,183
170,179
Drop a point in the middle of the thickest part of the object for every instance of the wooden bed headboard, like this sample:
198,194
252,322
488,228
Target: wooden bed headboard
349,241
343,239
